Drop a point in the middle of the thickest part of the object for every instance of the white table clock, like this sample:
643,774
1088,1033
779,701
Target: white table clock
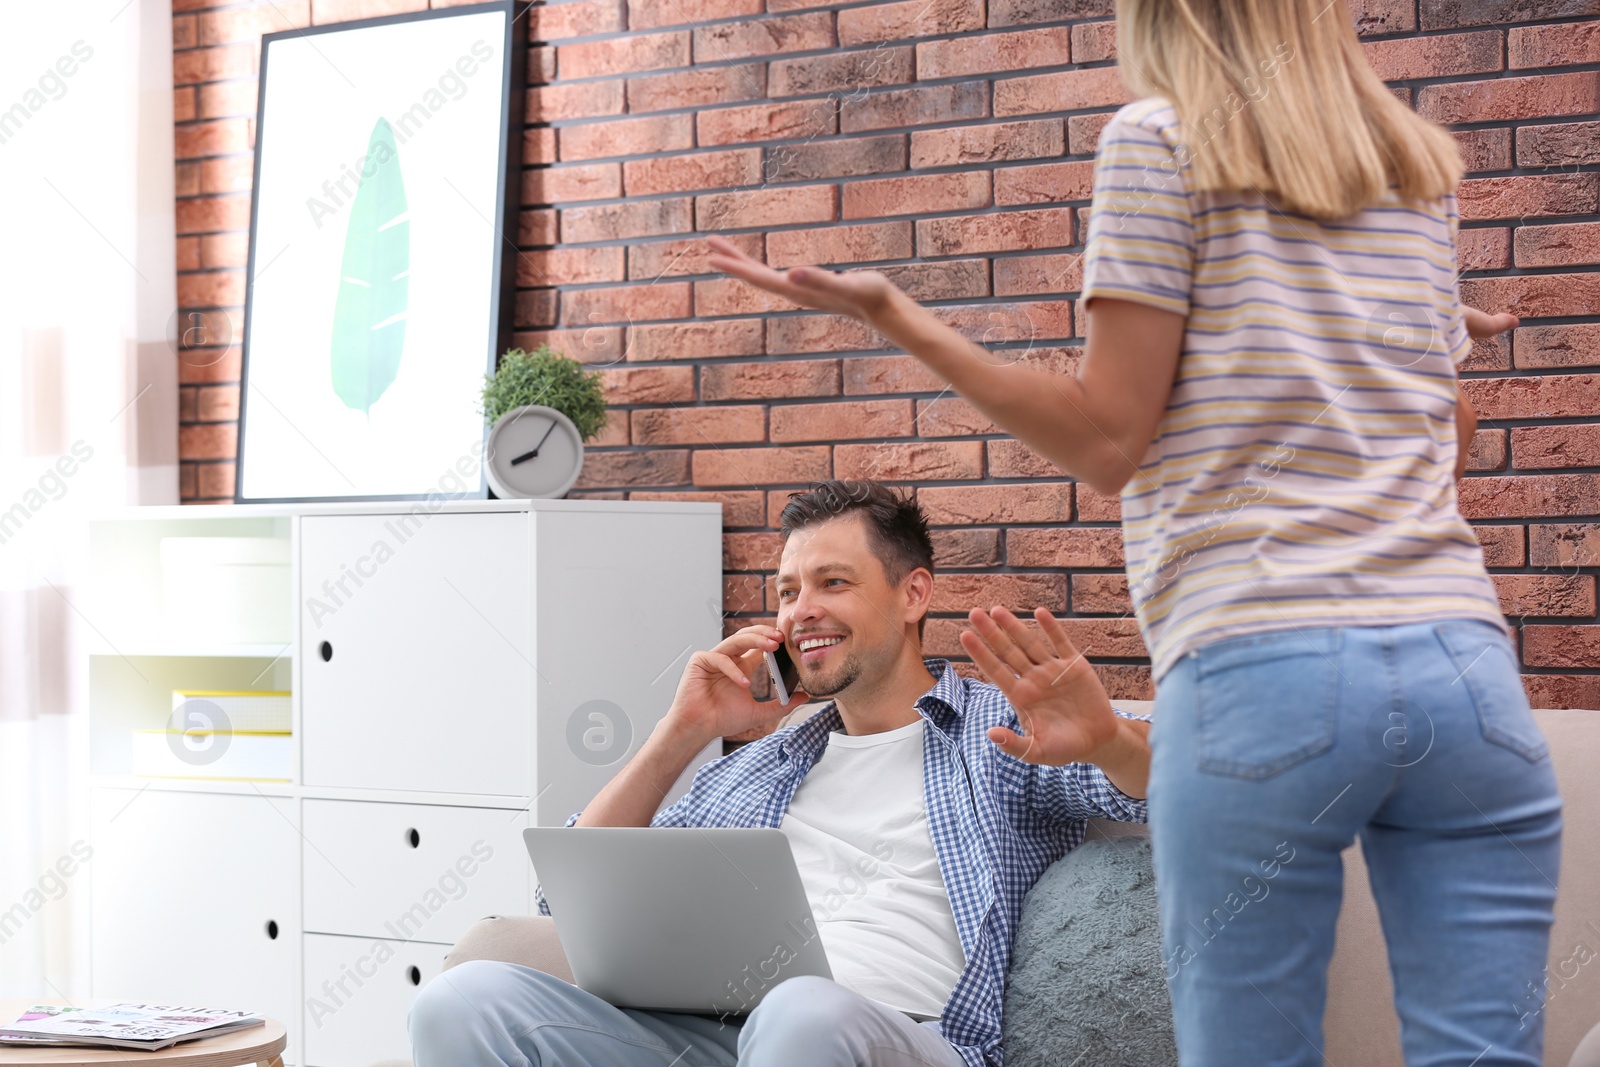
533,452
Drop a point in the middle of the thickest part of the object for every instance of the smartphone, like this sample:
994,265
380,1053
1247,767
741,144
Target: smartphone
785,675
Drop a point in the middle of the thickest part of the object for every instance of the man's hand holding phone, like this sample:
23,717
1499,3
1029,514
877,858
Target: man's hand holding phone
715,698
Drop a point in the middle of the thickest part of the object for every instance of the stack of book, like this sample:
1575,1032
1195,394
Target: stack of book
125,1025
217,734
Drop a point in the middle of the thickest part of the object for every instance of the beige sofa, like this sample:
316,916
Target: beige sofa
1360,1024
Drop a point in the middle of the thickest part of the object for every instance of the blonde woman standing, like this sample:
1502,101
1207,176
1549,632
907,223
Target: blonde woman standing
1269,380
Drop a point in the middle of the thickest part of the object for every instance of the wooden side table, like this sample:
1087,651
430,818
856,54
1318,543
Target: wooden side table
258,1045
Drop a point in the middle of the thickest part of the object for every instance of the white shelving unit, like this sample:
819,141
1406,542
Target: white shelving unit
459,670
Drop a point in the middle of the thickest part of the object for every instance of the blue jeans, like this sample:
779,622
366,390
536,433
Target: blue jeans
488,1014
1271,753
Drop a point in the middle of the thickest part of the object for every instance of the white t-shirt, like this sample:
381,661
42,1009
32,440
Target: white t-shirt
858,825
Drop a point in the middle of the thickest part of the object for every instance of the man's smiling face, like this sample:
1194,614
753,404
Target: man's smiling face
841,618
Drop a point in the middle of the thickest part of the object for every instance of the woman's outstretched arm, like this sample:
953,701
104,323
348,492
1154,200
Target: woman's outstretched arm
1095,426
1479,324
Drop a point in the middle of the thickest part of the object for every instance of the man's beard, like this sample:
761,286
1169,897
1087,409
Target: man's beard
837,681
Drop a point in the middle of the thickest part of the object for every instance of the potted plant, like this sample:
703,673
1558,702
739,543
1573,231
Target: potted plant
541,406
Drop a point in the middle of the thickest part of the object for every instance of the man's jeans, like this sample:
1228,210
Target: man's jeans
487,1014
1271,753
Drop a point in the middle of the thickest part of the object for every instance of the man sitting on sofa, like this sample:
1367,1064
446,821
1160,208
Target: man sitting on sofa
921,807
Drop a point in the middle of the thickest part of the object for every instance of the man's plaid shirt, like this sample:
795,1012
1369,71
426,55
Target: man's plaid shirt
996,824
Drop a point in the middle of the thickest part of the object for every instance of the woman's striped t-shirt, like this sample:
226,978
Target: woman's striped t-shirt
1303,471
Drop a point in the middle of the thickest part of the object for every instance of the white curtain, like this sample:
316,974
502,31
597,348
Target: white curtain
88,418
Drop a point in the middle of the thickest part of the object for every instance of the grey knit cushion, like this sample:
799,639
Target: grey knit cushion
1087,984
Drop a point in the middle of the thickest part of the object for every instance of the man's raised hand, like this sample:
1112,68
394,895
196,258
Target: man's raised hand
1061,706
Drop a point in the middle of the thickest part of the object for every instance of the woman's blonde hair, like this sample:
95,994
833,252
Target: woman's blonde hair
1277,96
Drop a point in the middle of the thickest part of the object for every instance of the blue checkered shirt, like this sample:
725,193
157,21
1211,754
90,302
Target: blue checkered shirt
996,824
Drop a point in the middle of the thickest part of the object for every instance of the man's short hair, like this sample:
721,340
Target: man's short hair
898,528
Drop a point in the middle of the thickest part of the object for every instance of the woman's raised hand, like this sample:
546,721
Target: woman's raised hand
860,294
1482,324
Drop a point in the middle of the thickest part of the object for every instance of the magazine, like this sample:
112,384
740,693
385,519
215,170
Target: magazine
128,1024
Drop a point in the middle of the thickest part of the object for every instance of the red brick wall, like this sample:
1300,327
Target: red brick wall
950,145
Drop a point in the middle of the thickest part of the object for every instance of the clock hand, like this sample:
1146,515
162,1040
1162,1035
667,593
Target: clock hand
534,451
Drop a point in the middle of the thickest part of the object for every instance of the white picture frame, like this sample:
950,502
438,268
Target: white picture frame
378,293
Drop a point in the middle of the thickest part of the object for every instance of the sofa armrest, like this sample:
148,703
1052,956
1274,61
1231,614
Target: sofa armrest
526,939
1588,1051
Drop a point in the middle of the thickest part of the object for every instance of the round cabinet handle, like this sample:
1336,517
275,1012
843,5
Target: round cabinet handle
413,837
272,929
415,975
327,651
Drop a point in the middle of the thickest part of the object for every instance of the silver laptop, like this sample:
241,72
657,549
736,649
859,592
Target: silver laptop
672,919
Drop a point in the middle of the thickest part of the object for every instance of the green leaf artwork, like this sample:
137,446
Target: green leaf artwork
369,317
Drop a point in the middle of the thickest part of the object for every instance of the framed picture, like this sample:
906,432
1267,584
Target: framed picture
378,294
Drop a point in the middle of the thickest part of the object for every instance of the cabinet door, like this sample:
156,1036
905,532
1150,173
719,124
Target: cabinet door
195,900
412,871
416,661
358,993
